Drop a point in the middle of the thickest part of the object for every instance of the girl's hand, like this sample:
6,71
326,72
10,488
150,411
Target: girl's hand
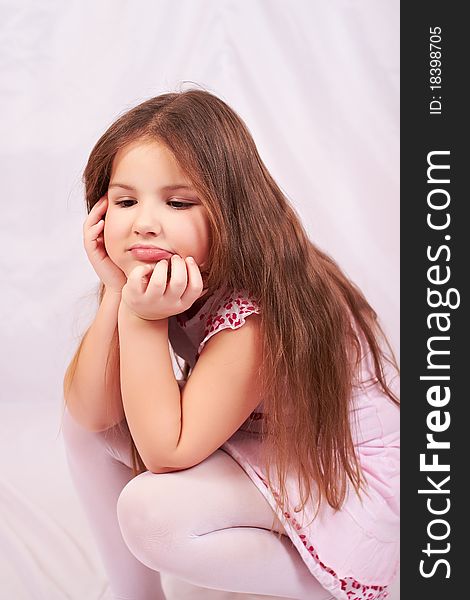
153,299
109,273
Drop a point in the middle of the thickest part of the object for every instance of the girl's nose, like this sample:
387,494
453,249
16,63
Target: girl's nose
145,223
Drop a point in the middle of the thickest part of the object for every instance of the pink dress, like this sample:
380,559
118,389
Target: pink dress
353,553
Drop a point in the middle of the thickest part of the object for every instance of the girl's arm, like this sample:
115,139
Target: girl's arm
150,392
94,399
176,428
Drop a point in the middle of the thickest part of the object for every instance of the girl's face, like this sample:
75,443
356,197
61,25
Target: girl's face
147,204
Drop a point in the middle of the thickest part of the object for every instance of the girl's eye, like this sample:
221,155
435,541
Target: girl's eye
182,205
121,202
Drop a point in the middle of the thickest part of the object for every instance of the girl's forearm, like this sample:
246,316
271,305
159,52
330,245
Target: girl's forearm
94,398
150,392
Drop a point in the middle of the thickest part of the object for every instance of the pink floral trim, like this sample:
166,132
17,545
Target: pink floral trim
230,312
352,588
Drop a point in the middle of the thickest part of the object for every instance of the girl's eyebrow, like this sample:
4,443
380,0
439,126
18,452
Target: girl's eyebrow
177,186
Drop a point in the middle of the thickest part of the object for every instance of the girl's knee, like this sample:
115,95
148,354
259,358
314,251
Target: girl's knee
149,501
149,519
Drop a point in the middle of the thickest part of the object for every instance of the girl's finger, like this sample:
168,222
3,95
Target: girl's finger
93,231
101,202
179,276
99,207
157,281
137,277
195,284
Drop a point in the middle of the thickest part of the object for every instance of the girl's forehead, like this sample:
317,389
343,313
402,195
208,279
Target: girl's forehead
142,147
146,155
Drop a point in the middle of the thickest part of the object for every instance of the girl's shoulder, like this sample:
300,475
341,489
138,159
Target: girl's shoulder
229,312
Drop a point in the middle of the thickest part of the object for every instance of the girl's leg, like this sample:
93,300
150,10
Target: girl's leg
100,467
209,525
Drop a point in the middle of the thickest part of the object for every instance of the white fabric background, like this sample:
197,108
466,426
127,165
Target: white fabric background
317,84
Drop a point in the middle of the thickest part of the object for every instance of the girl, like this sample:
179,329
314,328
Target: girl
271,467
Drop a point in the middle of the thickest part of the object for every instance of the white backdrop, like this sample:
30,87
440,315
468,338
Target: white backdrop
318,86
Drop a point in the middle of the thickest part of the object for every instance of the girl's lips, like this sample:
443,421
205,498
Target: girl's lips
150,254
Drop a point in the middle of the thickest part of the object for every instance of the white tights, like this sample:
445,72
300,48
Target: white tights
208,525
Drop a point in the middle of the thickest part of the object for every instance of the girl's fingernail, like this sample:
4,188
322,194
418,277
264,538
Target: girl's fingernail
191,260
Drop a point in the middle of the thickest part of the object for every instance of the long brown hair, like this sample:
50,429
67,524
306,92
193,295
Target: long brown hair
313,317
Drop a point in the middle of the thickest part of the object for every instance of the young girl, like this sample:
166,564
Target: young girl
271,467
